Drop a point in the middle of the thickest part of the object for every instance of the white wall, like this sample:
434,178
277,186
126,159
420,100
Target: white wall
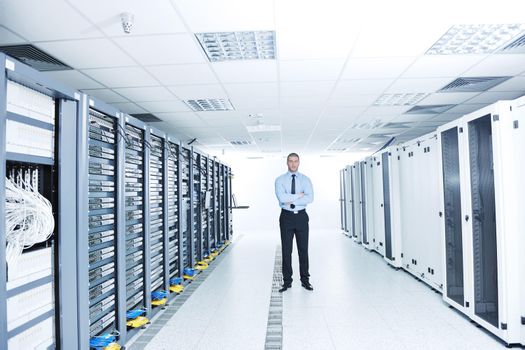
253,185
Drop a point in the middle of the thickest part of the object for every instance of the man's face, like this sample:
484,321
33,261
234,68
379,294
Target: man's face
293,164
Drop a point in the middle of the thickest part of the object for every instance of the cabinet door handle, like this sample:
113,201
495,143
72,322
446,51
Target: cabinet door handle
467,217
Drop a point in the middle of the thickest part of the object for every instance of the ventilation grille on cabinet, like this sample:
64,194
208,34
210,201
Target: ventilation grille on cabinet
34,57
473,84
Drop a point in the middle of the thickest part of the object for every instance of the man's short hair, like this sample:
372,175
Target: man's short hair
293,154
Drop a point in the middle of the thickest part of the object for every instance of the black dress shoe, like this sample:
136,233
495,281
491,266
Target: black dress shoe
285,287
307,285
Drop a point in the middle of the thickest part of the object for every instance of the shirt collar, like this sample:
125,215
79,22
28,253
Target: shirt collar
290,173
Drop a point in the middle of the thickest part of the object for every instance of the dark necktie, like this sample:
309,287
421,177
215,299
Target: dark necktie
293,189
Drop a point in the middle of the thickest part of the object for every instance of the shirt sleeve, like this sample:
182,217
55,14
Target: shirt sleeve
281,194
308,194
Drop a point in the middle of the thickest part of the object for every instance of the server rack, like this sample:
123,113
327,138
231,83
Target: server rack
349,201
205,205
196,200
480,243
216,202
224,179
369,203
101,274
157,210
187,210
228,204
378,242
174,212
136,220
37,123
342,199
356,201
419,210
363,202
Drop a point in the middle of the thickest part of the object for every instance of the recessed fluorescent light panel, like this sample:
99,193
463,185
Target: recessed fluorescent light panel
475,39
240,142
408,99
206,105
231,46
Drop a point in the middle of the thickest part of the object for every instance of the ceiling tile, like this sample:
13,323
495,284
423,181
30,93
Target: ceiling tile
128,107
106,95
418,85
362,86
146,94
331,37
246,71
227,15
165,106
441,66
376,68
255,104
36,20
89,53
160,18
345,100
393,36
163,49
292,102
499,65
310,70
183,74
7,37
494,96
439,98
248,90
189,92
181,119
465,108
306,88
74,78
513,84
121,77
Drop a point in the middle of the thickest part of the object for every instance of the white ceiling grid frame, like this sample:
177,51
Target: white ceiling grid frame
36,25
498,65
162,49
193,92
442,98
88,53
122,76
421,85
145,94
150,18
135,107
441,66
106,95
7,37
74,78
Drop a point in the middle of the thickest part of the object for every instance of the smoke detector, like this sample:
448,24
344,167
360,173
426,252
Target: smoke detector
128,20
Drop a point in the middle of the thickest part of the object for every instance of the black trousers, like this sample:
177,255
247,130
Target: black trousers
294,224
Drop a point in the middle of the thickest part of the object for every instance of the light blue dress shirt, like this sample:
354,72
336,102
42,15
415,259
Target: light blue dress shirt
283,189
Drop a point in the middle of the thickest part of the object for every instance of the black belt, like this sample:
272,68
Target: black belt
292,212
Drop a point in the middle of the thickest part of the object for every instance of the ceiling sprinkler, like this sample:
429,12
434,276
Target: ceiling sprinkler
128,20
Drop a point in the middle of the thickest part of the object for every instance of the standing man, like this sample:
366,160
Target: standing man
294,191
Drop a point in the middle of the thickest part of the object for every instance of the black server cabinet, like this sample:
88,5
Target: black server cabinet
174,248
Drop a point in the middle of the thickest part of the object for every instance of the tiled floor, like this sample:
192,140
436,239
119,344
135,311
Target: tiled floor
359,302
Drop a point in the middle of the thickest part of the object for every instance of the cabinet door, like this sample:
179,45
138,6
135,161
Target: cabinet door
483,221
386,199
452,211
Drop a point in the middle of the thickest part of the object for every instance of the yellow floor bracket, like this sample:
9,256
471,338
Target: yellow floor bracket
201,265
159,302
186,277
112,346
137,322
176,288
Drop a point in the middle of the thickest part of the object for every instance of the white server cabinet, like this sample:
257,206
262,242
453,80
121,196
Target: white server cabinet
419,209
482,216
378,241
363,180
391,194
356,201
348,201
369,203
342,198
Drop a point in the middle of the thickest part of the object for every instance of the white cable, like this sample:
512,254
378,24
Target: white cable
29,218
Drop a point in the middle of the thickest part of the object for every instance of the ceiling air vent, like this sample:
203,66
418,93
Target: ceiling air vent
207,105
230,46
34,57
147,117
429,109
473,84
517,46
336,149
240,142
405,125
